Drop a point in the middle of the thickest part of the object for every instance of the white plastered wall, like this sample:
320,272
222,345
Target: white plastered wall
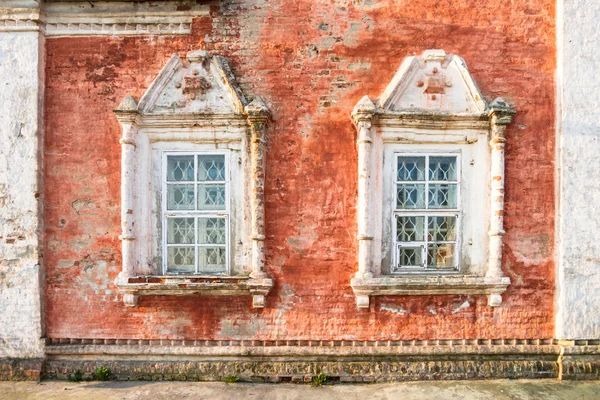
578,170
21,94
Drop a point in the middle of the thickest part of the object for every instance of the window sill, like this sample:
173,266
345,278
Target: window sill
134,287
417,285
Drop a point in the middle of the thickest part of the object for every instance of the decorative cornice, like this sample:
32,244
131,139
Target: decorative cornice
457,344
102,18
110,28
20,19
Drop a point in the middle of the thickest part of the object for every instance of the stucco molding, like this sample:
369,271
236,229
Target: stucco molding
193,100
432,100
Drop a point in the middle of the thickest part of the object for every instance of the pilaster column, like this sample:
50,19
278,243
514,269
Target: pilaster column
258,117
500,116
362,117
126,114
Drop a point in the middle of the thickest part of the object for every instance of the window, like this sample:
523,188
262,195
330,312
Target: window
192,185
196,214
426,217
430,185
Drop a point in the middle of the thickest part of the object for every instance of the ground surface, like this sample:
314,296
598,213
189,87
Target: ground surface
475,390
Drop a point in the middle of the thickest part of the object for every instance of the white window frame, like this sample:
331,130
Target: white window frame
473,195
166,214
426,212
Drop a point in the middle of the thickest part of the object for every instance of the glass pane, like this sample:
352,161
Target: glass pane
180,260
212,259
442,195
180,197
180,168
410,257
442,168
211,196
440,255
410,229
411,168
180,231
211,231
211,168
442,228
410,195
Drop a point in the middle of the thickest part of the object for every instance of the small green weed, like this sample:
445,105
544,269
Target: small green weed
102,373
319,380
76,377
231,379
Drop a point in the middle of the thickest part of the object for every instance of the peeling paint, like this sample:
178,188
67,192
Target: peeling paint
310,78
392,309
462,307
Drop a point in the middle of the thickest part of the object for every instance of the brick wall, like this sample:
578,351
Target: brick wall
311,61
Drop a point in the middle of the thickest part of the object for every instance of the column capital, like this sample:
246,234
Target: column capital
363,112
500,112
257,112
127,111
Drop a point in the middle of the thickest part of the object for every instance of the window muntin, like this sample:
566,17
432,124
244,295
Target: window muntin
196,214
426,216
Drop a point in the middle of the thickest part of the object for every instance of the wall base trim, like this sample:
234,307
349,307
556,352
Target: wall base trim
278,361
21,369
360,361
303,371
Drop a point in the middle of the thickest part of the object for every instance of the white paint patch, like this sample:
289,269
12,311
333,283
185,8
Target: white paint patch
461,307
395,310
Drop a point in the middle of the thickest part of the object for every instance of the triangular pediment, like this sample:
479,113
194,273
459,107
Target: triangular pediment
199,84
434,82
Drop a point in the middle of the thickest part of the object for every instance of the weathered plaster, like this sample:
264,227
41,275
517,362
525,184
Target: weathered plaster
21,89
578,236
298,57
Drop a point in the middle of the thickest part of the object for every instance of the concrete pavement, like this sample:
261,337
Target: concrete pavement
448,390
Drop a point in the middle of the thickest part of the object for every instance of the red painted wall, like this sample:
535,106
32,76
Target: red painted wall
311,61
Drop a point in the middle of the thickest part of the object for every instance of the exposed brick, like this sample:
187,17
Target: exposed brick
278,51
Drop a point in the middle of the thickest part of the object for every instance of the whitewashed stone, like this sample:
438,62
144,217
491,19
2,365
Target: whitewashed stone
21,93
578,134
